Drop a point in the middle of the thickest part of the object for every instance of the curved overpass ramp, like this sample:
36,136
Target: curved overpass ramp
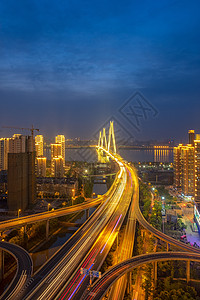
19,222
24,269
101,286
156,232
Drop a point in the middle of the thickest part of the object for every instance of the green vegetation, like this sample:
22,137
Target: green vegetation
156,215
167,288
145,200
88,188
175,291
152,214
78,200
148,279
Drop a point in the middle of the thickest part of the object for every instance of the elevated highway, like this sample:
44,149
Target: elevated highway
61,268
78,283
101,286
23,221
89,246
24,269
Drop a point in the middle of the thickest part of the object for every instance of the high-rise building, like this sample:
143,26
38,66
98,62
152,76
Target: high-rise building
191,137
39,145
21,173
4,149
188,174
60,139
41,166
57,160
177,166
57,167
21,143
55,150
184,174
17,144
197,171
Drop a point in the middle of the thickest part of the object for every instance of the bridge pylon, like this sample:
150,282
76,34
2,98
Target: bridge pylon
102,143
102,157
111,138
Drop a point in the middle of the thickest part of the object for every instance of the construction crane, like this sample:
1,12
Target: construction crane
24,128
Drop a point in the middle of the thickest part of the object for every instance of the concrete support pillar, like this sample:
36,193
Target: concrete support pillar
24,230
129,282
168,247
155,273
87,214
156,245
47,229
25,241
1,264
188,270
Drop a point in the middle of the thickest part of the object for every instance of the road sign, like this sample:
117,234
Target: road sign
96,274
85,271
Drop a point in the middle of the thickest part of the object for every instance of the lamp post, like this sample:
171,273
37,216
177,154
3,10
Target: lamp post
73,194
48,206
19,210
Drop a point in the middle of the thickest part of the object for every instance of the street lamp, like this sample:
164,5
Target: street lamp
73,196
19,210
48,206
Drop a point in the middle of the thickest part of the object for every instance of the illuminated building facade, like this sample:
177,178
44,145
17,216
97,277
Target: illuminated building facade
60,139
191,137
20,144
188,174
39,142
4,149
17,144
187,171
41,166
55,150
57,167
184,174
197,171
177,166
57,161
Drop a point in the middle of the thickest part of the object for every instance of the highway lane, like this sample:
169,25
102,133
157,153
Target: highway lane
125,252
94,260
48,287
53,272
157,233
60,258
126,248
22,221
76,286
92,264
49,278
24,269
101,286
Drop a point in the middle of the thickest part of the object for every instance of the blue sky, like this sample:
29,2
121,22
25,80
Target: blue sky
68,66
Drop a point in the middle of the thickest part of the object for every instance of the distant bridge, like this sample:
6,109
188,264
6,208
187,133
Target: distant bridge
125,147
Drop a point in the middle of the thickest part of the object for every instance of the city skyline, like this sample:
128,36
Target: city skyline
69,67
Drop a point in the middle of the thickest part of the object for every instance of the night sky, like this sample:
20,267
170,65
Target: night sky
69,66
